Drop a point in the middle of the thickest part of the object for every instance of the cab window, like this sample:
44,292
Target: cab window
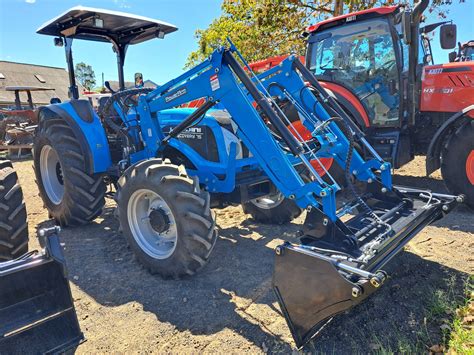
361,57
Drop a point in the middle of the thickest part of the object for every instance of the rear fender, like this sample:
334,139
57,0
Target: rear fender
349,101
433,156
87,128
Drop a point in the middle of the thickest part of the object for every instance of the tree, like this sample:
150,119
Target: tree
260,28
266,28
85,75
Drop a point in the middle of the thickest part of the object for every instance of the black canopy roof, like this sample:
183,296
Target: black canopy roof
101,25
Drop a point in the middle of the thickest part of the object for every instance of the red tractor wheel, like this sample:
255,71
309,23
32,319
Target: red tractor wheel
302,133
457,162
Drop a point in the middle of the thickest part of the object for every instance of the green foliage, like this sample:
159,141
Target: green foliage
266,28
461,339
85,75
259,28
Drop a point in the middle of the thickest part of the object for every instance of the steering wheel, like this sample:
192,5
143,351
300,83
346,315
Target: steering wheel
125,98
130,101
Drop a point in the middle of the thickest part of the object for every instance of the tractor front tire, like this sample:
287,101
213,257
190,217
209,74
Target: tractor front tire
13,224
275,209
72,196
457,162
165,218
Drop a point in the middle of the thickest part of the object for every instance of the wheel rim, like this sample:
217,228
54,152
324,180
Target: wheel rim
52,174
268,202
470,167
152,224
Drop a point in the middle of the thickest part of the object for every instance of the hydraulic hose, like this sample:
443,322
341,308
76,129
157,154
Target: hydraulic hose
344,127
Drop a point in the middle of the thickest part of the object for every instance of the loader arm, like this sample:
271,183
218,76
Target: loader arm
337,260
221,79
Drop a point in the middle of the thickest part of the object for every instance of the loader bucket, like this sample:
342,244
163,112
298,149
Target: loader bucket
37,314
319,278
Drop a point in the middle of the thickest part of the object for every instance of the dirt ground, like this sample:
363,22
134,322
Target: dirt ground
229,306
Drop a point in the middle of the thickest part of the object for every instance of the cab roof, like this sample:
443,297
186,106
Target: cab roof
353,16
102,25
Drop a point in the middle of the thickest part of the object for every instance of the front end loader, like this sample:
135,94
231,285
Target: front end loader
37,313
170,171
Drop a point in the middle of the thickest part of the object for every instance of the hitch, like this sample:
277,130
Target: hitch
338,265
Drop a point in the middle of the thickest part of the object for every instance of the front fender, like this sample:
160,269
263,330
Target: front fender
87,128
434,150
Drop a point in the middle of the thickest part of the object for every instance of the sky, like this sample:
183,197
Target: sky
158,60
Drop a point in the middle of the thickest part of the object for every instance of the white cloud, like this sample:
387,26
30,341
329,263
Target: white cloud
30,1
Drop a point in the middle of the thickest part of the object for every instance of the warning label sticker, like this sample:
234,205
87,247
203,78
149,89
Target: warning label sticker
215,82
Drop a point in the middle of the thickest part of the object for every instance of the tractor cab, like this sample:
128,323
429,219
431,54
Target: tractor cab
360,56
370,54
91,24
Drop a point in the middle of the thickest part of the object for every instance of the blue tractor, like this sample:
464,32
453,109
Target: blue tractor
170,165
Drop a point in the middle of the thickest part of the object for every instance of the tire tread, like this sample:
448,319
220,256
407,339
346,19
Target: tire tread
13,218
84,195
196,224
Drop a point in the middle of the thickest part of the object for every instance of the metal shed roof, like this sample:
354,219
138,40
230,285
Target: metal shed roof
23,75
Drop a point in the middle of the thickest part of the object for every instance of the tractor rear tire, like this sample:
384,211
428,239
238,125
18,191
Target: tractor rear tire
72,196
280,211
165,218
330,165
13,224
457,162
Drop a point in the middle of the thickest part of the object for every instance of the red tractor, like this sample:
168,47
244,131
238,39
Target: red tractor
465,52
378,64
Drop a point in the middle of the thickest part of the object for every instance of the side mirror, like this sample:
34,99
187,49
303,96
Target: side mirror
138,80
447,36
452,56
58,42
